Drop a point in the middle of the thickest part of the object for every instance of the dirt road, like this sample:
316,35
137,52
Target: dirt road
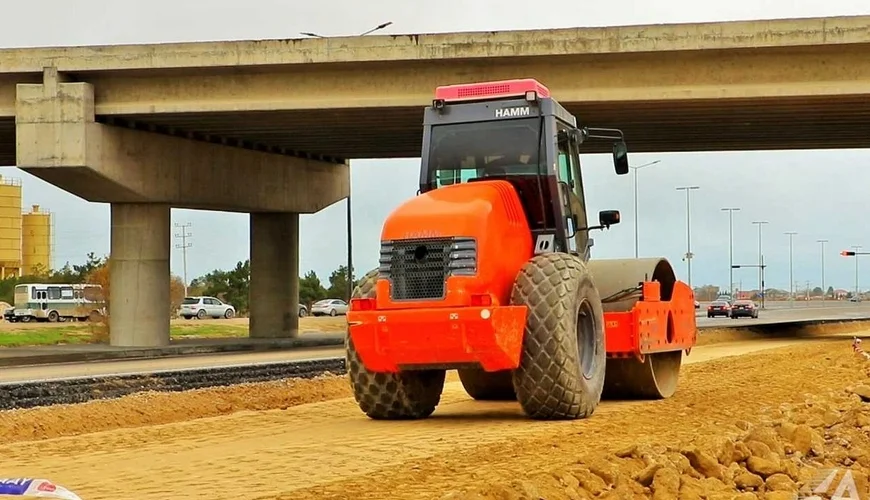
270,441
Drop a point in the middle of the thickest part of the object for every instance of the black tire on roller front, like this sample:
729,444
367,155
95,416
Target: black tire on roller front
561,372
488,386
391,396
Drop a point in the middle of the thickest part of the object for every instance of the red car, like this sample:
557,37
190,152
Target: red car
719,308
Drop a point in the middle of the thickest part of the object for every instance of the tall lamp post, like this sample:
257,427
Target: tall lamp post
689,255
376,28
731,247
760,224
791,265
348,213
855,253
636,251
824,291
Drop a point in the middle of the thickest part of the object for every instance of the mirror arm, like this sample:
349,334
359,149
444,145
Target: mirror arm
592,228
596,133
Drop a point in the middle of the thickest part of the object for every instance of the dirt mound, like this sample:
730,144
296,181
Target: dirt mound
794,448
710,336
155,408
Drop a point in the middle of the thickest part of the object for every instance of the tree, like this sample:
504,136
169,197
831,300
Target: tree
817,291
232,287
338,284
830,292
311,289
100,276
176,294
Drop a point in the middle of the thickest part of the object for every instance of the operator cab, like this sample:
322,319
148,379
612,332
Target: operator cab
514,131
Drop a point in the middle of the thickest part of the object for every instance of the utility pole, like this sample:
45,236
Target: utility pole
760,224
349,249
824,291
731,247
184,235
636,251
689,255
791,284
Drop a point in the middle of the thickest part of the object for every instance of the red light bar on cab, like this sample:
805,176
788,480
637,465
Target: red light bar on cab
491,90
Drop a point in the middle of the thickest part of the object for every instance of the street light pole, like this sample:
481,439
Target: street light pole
760,224
731,247
688,230
824,291
791,265
636,251
857,248
376,28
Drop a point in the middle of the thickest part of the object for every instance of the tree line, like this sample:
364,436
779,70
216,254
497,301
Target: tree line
231,286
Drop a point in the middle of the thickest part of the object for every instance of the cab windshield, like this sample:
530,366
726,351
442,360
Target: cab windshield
465,151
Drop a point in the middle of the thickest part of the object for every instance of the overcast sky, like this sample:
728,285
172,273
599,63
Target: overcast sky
818,194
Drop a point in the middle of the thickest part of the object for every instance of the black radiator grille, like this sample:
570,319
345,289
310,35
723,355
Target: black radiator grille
418,268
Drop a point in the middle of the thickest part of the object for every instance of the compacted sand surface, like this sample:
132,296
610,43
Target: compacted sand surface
308,439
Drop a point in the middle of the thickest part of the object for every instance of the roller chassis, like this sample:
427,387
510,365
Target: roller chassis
644,333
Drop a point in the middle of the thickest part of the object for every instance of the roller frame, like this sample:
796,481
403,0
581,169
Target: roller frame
639,324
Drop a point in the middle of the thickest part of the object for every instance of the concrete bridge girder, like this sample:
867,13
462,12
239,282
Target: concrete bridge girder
144,174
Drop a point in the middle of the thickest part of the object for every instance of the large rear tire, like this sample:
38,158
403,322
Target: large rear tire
488,386
561,372
391,396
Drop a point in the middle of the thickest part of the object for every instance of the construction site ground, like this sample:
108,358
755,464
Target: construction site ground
753,418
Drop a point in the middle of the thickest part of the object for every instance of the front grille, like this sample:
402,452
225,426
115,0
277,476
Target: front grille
418,268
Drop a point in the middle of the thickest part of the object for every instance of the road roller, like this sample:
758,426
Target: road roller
488,271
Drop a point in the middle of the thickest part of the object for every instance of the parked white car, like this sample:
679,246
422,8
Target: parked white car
205,307
331,307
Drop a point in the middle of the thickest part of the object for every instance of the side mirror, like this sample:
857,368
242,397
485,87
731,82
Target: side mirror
608,218
620,158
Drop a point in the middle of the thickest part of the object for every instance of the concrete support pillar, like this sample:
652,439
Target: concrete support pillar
139,275
274,301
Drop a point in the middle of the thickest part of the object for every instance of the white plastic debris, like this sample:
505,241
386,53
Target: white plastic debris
40,488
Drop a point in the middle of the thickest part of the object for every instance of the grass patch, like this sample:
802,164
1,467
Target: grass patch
48,336
81,334
207,331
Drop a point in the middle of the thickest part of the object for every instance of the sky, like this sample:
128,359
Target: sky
819,194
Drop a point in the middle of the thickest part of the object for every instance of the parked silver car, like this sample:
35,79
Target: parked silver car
205,307
331,307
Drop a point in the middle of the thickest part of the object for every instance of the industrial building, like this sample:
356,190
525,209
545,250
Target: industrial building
25,238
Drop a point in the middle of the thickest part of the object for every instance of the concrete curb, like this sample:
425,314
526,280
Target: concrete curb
302,342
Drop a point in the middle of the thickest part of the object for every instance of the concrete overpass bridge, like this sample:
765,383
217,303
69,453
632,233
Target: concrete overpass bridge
266,127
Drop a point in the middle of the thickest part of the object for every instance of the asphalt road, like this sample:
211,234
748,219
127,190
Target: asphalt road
775,312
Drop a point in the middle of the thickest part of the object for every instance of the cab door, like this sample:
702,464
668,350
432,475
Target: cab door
571,185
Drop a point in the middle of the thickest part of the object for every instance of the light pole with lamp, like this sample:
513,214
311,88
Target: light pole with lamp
348,214
688,230
824,292
855,253
760,224
376,28
791,266
731,248
636,251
